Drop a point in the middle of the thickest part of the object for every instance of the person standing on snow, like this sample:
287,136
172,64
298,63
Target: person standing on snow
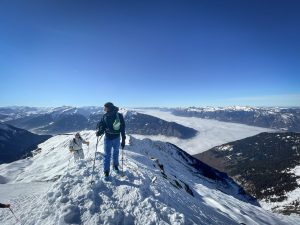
75,146
112,124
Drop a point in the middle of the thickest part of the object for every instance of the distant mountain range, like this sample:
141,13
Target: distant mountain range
16,143
266,165
70,119
286,119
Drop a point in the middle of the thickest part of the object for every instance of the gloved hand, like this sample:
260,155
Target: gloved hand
123,143
88,143
98,133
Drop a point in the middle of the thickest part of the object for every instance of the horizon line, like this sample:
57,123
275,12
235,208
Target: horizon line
139,107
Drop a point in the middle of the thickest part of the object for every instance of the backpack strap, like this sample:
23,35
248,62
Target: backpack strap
75,142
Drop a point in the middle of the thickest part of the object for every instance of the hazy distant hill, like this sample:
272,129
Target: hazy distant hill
70,119
16,143
287,119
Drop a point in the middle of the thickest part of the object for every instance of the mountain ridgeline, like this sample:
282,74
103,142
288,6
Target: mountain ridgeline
70,119
16,143
286,119
266,165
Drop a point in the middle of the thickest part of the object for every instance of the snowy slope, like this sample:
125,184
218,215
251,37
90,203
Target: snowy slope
210,132
161,186
16,143
266,165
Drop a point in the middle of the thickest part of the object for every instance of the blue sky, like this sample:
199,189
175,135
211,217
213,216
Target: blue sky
150,53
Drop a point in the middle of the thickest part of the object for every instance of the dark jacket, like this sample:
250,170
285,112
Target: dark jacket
106,124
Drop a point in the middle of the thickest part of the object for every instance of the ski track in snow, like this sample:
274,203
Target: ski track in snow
211,133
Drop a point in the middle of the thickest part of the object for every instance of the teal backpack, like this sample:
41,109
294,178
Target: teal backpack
117,123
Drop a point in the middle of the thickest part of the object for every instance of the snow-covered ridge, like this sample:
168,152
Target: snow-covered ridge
16,112
262,110
212,109
237,108
266,165
162,186
286,119
16,143
69,119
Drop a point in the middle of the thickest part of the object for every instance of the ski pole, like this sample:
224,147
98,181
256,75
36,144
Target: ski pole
122,162
14,214
88,151
70,162
95,158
